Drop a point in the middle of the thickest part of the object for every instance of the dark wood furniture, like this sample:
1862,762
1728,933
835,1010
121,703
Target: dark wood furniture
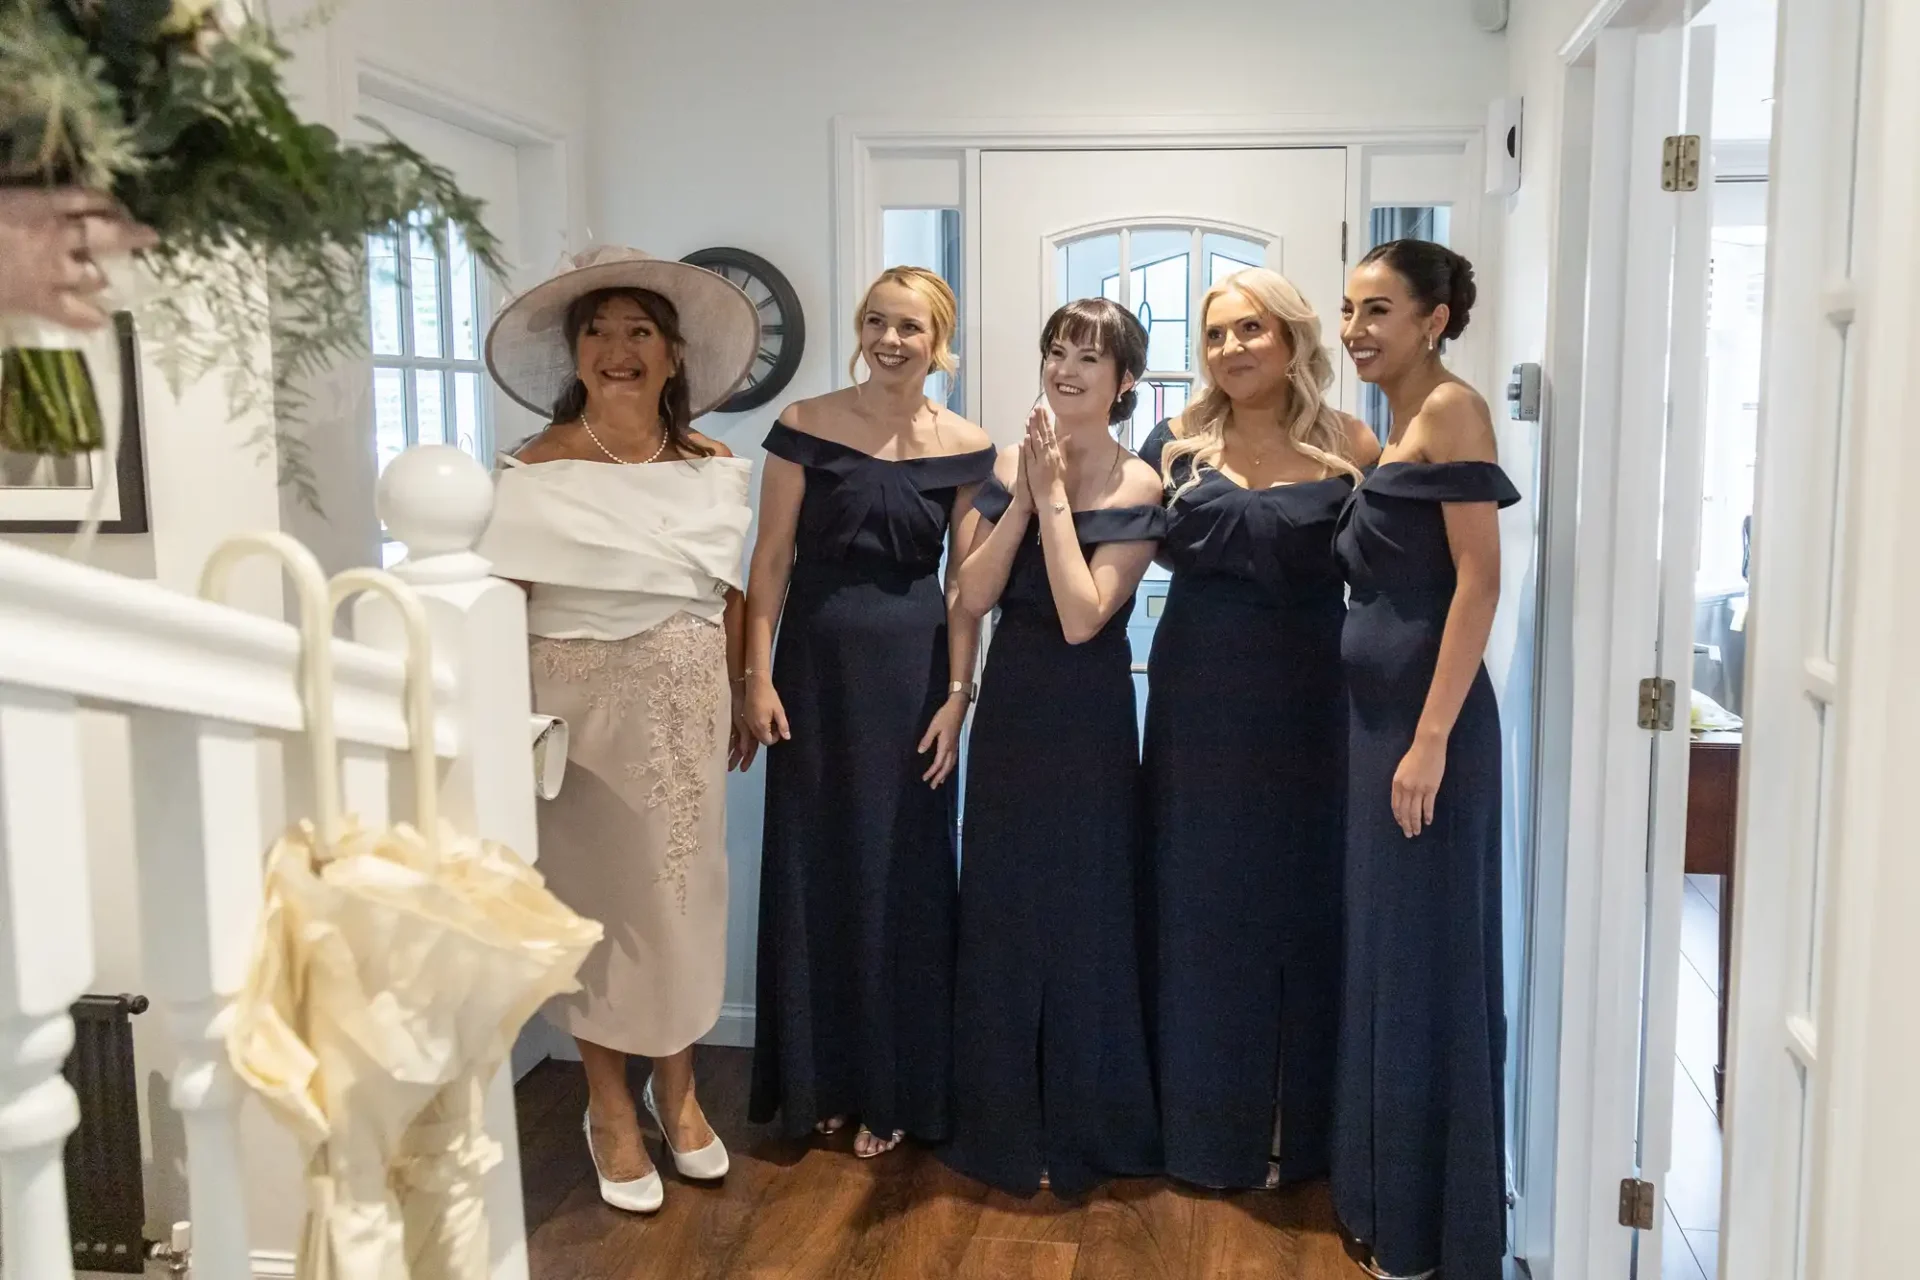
1713,805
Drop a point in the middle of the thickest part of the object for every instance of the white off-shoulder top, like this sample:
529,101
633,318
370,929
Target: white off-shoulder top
611,550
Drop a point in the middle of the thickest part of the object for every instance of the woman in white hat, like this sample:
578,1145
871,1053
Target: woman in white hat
627,528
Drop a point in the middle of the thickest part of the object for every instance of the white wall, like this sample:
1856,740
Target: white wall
714,127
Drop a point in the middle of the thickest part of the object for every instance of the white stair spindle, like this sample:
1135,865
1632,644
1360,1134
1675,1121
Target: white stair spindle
199,822
46,963
437,500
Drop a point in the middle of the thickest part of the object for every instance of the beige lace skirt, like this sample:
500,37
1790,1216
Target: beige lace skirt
637,837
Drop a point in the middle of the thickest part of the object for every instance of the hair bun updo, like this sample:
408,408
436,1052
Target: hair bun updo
1435,275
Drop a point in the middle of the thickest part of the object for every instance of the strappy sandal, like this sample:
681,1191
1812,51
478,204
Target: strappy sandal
827,1128
888,1145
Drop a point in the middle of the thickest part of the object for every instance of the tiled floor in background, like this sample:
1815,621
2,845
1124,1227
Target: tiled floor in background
1691,1248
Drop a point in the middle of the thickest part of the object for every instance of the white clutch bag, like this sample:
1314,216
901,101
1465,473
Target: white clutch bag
549,755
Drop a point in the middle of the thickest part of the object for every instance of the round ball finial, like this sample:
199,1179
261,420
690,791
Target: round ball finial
435,499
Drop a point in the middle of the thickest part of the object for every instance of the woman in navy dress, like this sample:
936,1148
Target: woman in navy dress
861,712
1245,746
1052,1083
1419,1149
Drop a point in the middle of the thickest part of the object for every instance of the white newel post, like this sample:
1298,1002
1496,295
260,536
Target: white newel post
437,500
197,815
46,963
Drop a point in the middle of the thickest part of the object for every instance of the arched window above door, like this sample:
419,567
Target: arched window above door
1159,271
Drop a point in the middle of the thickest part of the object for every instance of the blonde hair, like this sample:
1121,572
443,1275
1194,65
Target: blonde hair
942,309
1312,424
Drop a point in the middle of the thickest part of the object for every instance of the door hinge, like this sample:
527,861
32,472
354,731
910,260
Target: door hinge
1680,163
1343,244
1636,1204
1656,704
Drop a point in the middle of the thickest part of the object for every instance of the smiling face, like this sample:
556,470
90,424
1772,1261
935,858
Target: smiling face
1248,351
897,335
1382,326
623,356
1081,382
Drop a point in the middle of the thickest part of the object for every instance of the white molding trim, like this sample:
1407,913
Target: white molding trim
271,1264
735,1028
411,90
859,139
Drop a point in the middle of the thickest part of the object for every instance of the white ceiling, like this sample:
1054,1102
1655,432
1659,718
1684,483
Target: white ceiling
1743,66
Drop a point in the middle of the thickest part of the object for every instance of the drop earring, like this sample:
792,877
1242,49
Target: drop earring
1430,343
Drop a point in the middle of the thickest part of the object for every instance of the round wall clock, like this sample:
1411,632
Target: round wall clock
783,331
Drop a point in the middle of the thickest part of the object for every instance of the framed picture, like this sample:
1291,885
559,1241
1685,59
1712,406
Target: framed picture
52,495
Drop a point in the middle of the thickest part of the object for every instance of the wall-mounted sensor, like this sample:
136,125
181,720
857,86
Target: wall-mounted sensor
1523,393
1503,147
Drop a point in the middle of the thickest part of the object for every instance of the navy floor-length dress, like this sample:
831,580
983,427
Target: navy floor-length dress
1419,1148
858,878
1245,759
1051,1068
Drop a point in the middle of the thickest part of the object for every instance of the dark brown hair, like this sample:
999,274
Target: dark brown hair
1110,329
676,406
1435,275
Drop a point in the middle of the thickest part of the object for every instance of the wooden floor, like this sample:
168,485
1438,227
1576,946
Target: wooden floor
807,1211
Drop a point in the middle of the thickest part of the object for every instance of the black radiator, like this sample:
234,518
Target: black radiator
106,1205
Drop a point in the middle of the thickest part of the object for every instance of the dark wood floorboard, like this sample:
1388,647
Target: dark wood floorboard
811,1211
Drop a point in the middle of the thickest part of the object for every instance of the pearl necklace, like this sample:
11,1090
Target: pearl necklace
625,462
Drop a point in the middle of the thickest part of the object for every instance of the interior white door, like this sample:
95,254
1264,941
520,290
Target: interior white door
1684,373
1150,229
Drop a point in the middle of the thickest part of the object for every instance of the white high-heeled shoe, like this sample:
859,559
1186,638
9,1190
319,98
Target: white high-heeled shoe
707,1164
640,1195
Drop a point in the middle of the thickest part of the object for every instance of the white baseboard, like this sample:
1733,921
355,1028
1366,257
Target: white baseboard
270,1265
735,1028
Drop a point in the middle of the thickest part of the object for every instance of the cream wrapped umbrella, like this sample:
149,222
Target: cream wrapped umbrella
392,969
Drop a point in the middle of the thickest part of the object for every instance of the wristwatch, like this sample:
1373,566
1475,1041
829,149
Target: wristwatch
964,686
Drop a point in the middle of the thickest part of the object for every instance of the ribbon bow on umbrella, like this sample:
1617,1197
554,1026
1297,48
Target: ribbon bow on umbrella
392,969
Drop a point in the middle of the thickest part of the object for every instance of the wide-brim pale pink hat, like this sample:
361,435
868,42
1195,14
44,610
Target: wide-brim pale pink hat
527,350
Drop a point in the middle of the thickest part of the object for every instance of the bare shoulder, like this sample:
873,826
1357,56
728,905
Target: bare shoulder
958,435
559,441
1139,485
1362,445
1454,425
816,415
715,448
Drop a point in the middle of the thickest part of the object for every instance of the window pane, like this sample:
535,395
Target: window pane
466,413
1156,402
430,405
428,324
1162,256
389,415
1410,222
1087,268
1160,286
1228,254
383,294
465,284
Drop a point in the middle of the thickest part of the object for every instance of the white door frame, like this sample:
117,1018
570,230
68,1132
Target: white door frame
1600,623
860,142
